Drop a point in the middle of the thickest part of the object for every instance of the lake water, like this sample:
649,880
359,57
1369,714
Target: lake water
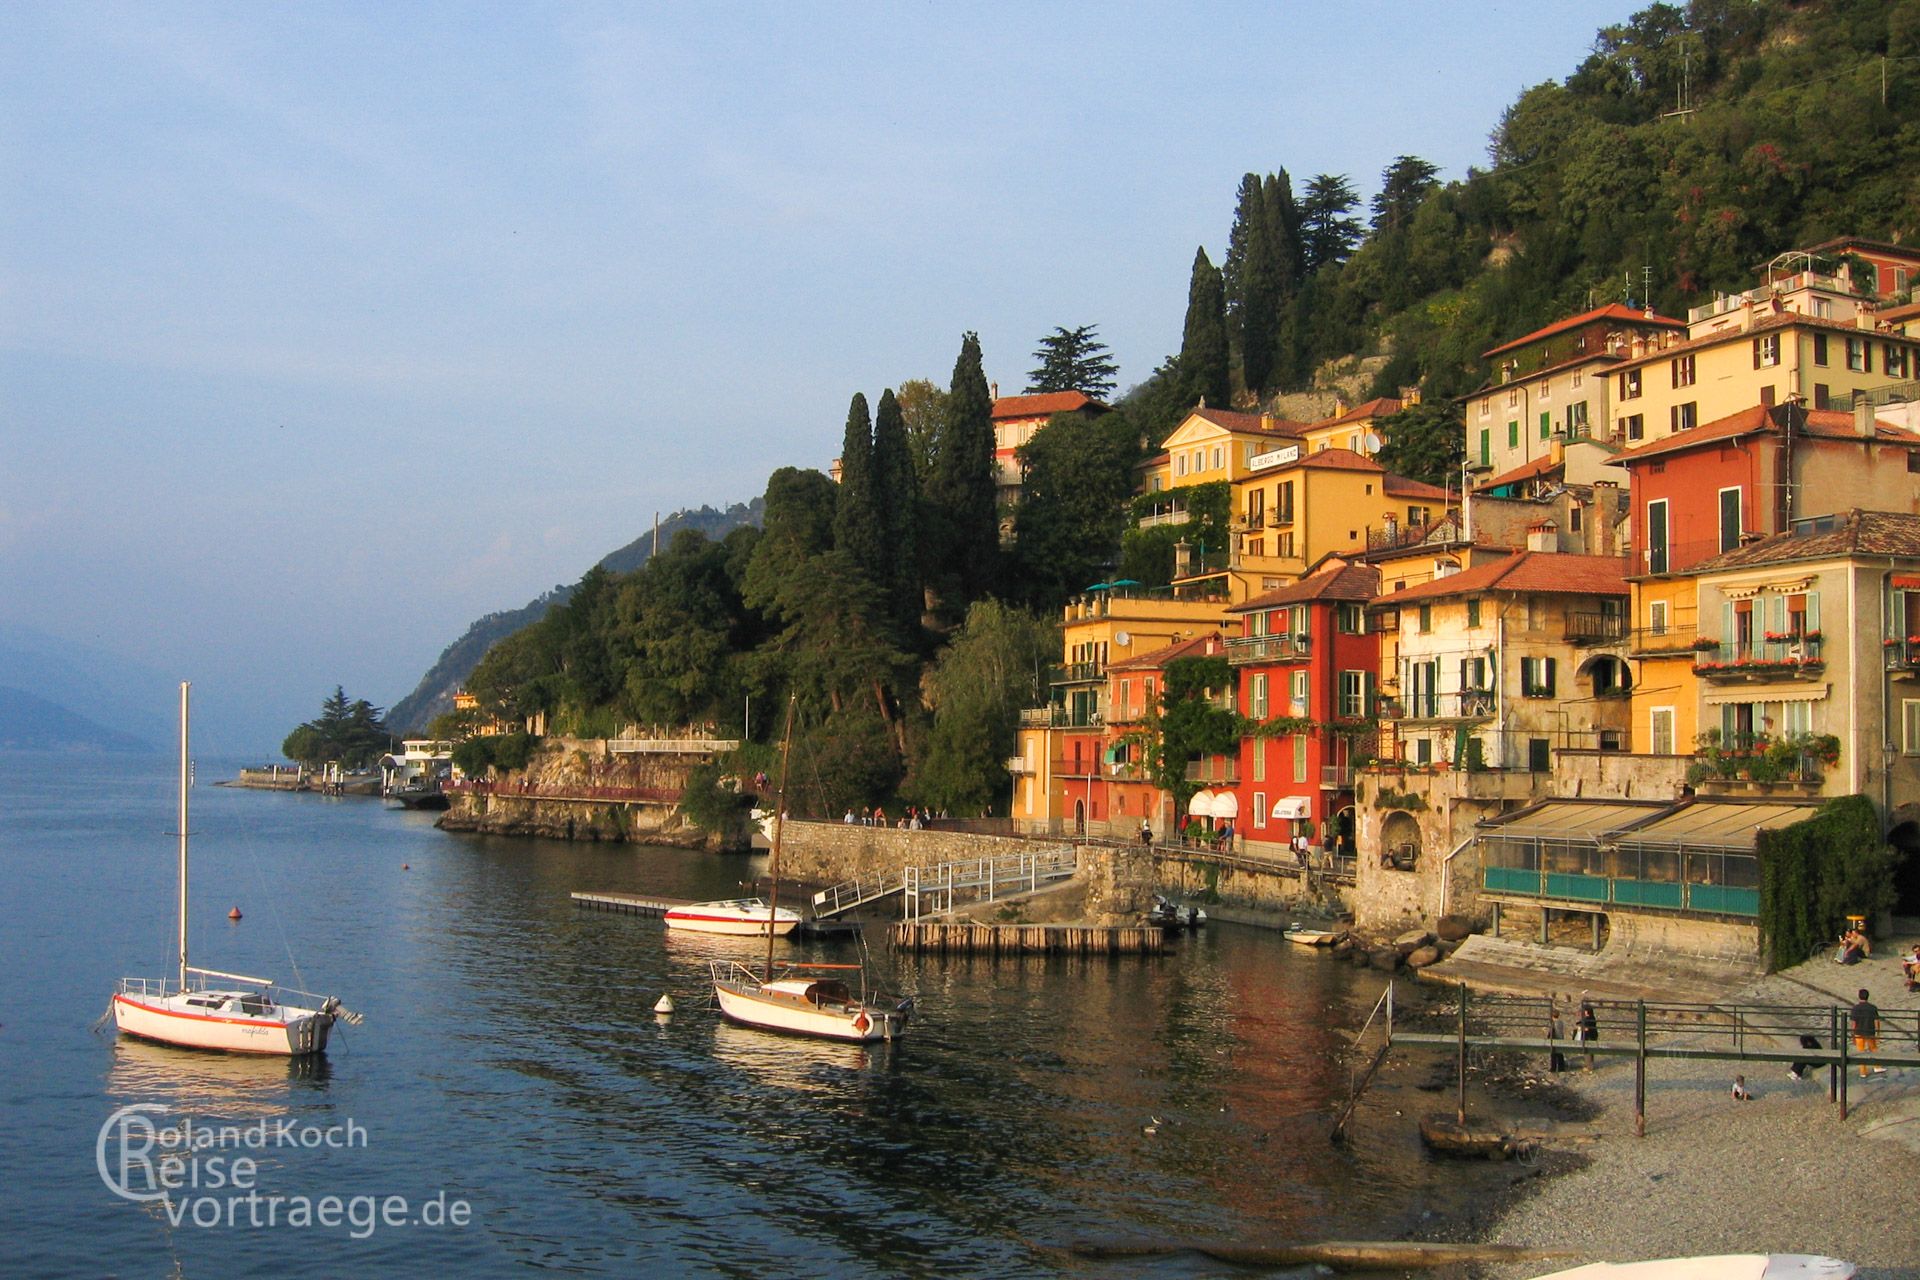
510,1060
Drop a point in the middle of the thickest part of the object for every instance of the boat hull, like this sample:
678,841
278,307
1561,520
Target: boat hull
1311,937
731,921
278,1037
778,1012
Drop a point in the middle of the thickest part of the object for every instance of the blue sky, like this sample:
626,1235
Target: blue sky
325,329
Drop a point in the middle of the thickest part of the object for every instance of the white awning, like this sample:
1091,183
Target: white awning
1226,805
1294,807
1201,806
1767,693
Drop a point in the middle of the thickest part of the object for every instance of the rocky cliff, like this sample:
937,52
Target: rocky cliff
575,789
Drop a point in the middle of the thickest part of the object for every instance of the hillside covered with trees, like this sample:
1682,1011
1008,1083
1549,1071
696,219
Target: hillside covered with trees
1691,147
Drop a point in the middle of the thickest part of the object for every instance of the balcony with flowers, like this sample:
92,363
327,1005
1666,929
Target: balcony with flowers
1777,655
1786,764
1903,654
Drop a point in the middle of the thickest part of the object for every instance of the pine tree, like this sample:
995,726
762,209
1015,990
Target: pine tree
1204,359
899,492
1329,234
859,523
962,491
1073,360
1403,185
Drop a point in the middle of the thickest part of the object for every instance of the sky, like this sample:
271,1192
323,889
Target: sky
326,329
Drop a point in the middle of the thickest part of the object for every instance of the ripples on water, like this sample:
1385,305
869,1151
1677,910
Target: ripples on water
510,1057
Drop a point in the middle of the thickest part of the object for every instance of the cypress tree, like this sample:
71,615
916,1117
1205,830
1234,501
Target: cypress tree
1203,344
1249,211
859,523
962,488
899,492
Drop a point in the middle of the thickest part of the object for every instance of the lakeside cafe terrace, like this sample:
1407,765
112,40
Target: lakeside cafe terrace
1692,857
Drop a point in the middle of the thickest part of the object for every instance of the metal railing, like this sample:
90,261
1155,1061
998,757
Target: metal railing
1596,628
983,879
1790,655
1274,648
1061,717
1075,673
1211,771
1641,876
1336,775
1473,705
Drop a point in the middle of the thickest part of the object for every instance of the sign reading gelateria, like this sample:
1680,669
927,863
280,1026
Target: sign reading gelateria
1274,458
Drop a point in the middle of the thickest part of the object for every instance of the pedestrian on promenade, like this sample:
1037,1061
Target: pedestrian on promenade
1556,1032
1146,833
1865,1017
1586,1029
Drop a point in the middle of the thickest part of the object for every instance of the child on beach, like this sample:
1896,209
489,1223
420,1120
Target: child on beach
1740,1091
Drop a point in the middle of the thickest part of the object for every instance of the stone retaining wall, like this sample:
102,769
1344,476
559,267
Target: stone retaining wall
828,852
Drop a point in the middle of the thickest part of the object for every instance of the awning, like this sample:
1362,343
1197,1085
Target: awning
1767,693
1906,582
1571,819
1201,806
1226,805
1724,824
1294,807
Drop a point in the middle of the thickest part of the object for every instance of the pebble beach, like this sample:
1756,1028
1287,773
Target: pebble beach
1781,1173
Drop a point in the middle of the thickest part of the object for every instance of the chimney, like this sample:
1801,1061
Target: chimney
1409,397
1557,452
1266,422
993,389
1863,424
1544,536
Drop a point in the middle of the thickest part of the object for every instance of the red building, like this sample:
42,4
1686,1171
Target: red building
1129,795
1308,670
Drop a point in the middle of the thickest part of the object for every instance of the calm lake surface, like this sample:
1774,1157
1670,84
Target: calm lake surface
510,1059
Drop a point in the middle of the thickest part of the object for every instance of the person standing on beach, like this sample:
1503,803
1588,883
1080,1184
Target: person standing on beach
1556,1031
1865,1017
1586,1029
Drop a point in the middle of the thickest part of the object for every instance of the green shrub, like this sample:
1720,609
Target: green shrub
1817,872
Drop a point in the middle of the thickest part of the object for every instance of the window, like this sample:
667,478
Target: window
1858,359
1576,516
1283,503
1486,447
1822,396
1426,619
1683,371
1513,397
1894,360
1473,676
1630,384
1634,427
1259,808
1299,757
1796,718
1486,408
1577,418
1259,746
1579,376
1766,351
1423,751
1423,686
1283,545
1730,519
1660,731
1684,417
1767,394
1297,695
1820,348
1910,723
1473,612
1350,616
1657,536
1546,425
1539,755
1546,390
1256,547
1537,677
1256,507
1657,617
1356,688
1536,613
1513,434
1257,697
1180,465
1416,517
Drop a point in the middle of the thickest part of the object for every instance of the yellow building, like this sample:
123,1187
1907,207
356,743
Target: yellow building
1357,428
1666,693
1215,444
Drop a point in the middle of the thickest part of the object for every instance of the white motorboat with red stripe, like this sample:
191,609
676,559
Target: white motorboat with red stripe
207,1009
808,1000
744,917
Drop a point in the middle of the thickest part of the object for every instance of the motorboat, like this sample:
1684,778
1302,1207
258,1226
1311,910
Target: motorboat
741,917
809,1000
1739,1266
1304,937
208,1009
1169,914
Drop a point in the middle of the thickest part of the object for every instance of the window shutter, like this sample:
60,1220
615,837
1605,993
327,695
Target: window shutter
1546,685
1756,353
1729,633
1813,610
1369,694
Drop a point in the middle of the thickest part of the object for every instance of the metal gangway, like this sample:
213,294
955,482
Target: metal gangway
931,890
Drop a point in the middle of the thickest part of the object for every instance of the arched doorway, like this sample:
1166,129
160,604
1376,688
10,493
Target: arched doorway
1400,842
1905,839
1080,817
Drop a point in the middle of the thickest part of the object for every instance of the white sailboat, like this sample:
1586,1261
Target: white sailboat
208,1009
739,917
808,1000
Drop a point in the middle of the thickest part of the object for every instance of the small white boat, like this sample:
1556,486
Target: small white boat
1740,1266
743,917
1310,937
808,1000
201,1010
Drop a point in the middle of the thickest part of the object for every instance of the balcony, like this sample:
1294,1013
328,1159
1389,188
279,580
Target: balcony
1336,777
1060,718
1472,705
1224,771
1018,767
1244,650
1078,767
1592,628
1759,661
1903,656
1668,641
1076,673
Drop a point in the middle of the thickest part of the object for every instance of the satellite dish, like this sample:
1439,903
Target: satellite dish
1372,442
1122,639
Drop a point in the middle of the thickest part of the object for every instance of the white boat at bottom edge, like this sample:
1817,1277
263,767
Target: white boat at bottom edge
741,917
1741,1266
807,1004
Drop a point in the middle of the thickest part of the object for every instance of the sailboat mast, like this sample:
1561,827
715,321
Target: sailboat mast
184,687
779,816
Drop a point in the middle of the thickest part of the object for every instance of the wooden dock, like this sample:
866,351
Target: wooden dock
631,903
967,938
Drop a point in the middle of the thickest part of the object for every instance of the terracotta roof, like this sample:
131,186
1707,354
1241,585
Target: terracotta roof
1407,487
1535,470
1821,424
1379,407
1341,582
1612,311
1864,533
1337,460
1544,371
1894,315
1199,646
1043,405
1537,572
1763,322
1254,423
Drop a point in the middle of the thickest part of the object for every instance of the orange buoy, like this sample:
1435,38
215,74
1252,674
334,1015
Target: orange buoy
406,866
234,914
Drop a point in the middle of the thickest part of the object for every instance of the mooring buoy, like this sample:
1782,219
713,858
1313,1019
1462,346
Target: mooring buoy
664,1005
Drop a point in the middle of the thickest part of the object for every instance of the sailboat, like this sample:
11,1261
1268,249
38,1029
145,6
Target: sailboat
804,999
208,1009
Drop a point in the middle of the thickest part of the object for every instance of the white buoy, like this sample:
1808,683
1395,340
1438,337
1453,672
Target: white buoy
663,1005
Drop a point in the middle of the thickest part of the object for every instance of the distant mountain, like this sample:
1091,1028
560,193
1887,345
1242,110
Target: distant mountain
29,721
96,685
433,696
